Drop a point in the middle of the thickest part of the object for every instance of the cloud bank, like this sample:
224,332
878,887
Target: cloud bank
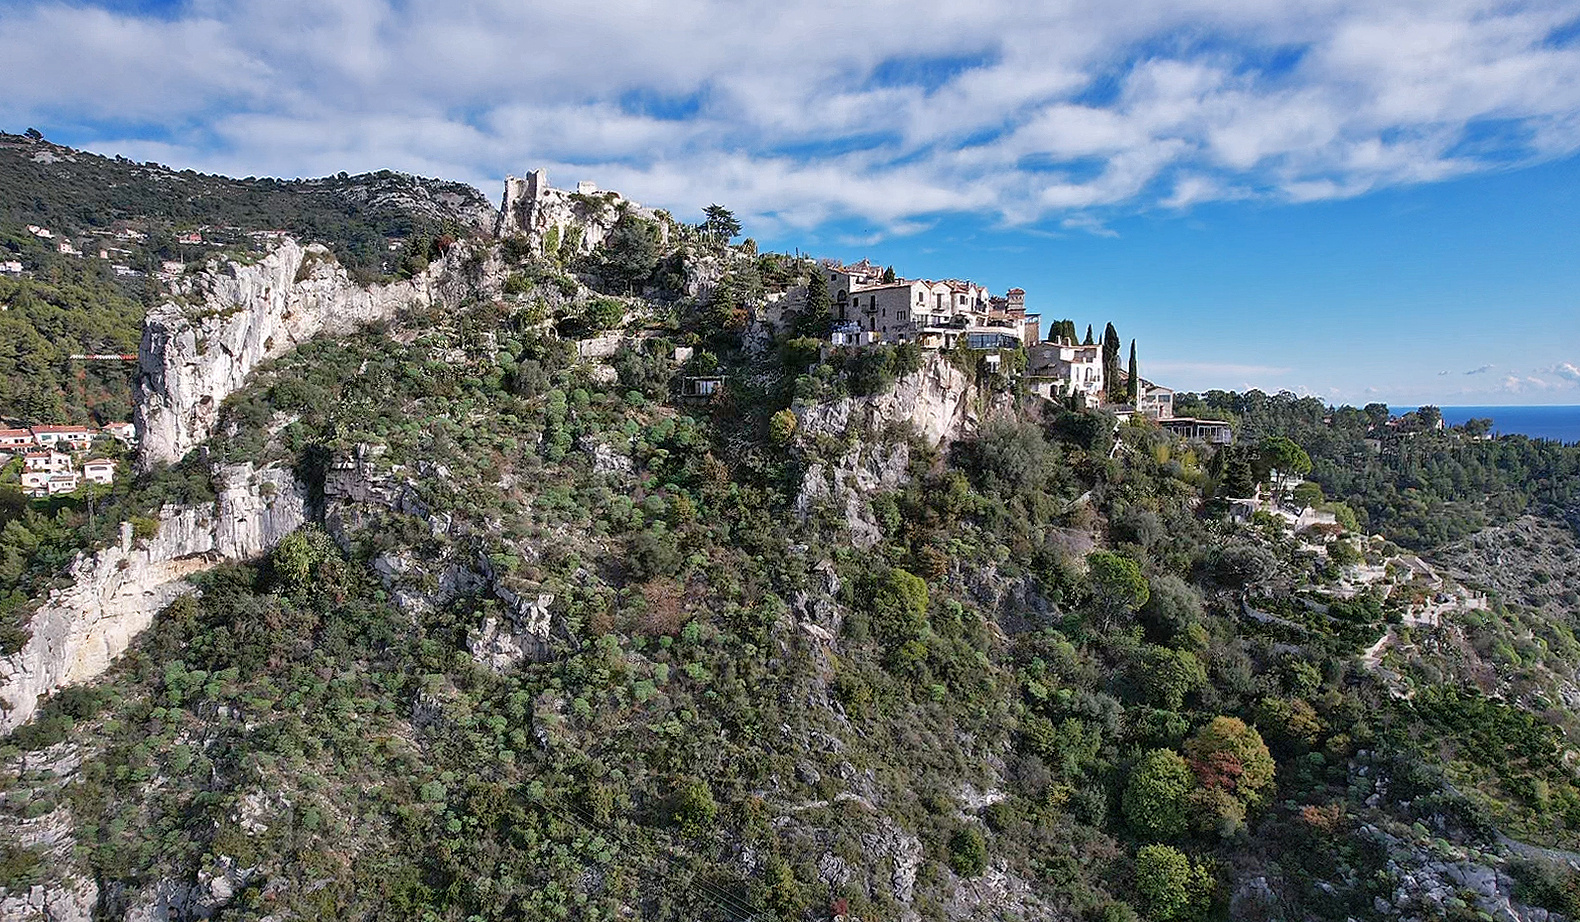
802,112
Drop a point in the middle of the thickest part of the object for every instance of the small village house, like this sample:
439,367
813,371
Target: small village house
126,432
63,483
1154,401
76,438
100,470
49,462
16,438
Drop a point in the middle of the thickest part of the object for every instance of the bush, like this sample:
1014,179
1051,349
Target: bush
693,809
968,853
1155,799
1170,886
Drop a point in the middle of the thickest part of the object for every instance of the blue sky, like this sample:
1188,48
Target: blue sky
1362,200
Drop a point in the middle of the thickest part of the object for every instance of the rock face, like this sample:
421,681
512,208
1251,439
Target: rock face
558,220
115,593
219,325
848,483
939,400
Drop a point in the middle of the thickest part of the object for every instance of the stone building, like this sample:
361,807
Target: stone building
933,314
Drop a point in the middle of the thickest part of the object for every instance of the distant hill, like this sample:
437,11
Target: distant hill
136,215
74,191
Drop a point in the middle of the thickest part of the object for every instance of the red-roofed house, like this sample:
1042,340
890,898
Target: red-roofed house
16,438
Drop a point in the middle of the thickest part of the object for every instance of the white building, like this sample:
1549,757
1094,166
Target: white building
66,249
932,314
1057,369
125,431
76,438
11,267
63,483
42,232
49,462
1211,431
1154,401
16,438
101,470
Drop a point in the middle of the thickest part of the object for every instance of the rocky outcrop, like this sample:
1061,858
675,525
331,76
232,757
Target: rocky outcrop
560,222
847,483
523,634
71,900
114,593
218,325
939,401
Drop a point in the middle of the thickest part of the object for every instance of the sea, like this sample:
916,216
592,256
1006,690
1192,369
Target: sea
1559,423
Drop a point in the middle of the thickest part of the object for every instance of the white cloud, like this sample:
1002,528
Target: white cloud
1480,369
1566,370
807,110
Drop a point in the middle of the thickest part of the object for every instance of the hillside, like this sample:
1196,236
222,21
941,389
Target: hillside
553,581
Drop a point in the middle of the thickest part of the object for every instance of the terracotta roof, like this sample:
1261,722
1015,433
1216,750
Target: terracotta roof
62,429
15,433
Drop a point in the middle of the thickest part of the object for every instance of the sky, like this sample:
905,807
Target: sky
1358,199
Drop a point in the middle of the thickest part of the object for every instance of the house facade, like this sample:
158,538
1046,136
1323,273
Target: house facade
933,314
51,462
1154,401
1059,369
1211,431
76,438
99,471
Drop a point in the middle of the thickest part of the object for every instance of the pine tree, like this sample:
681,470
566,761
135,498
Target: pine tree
889,277
1134,382
1089,340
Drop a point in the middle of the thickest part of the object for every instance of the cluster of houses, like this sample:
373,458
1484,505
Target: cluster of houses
50,455
872,305
120,256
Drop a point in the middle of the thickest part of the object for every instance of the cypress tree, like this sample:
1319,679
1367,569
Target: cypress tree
1135,380
1089,340
816,315
1111,363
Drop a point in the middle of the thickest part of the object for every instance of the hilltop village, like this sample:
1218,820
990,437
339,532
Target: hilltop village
870,305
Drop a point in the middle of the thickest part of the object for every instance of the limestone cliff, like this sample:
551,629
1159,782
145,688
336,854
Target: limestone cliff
115,593
940,401
218,325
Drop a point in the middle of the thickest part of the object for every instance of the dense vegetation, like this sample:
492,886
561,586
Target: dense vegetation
73,192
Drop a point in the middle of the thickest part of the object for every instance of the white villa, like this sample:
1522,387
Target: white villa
101,470
1058,369
1155,401
48,462
76,437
